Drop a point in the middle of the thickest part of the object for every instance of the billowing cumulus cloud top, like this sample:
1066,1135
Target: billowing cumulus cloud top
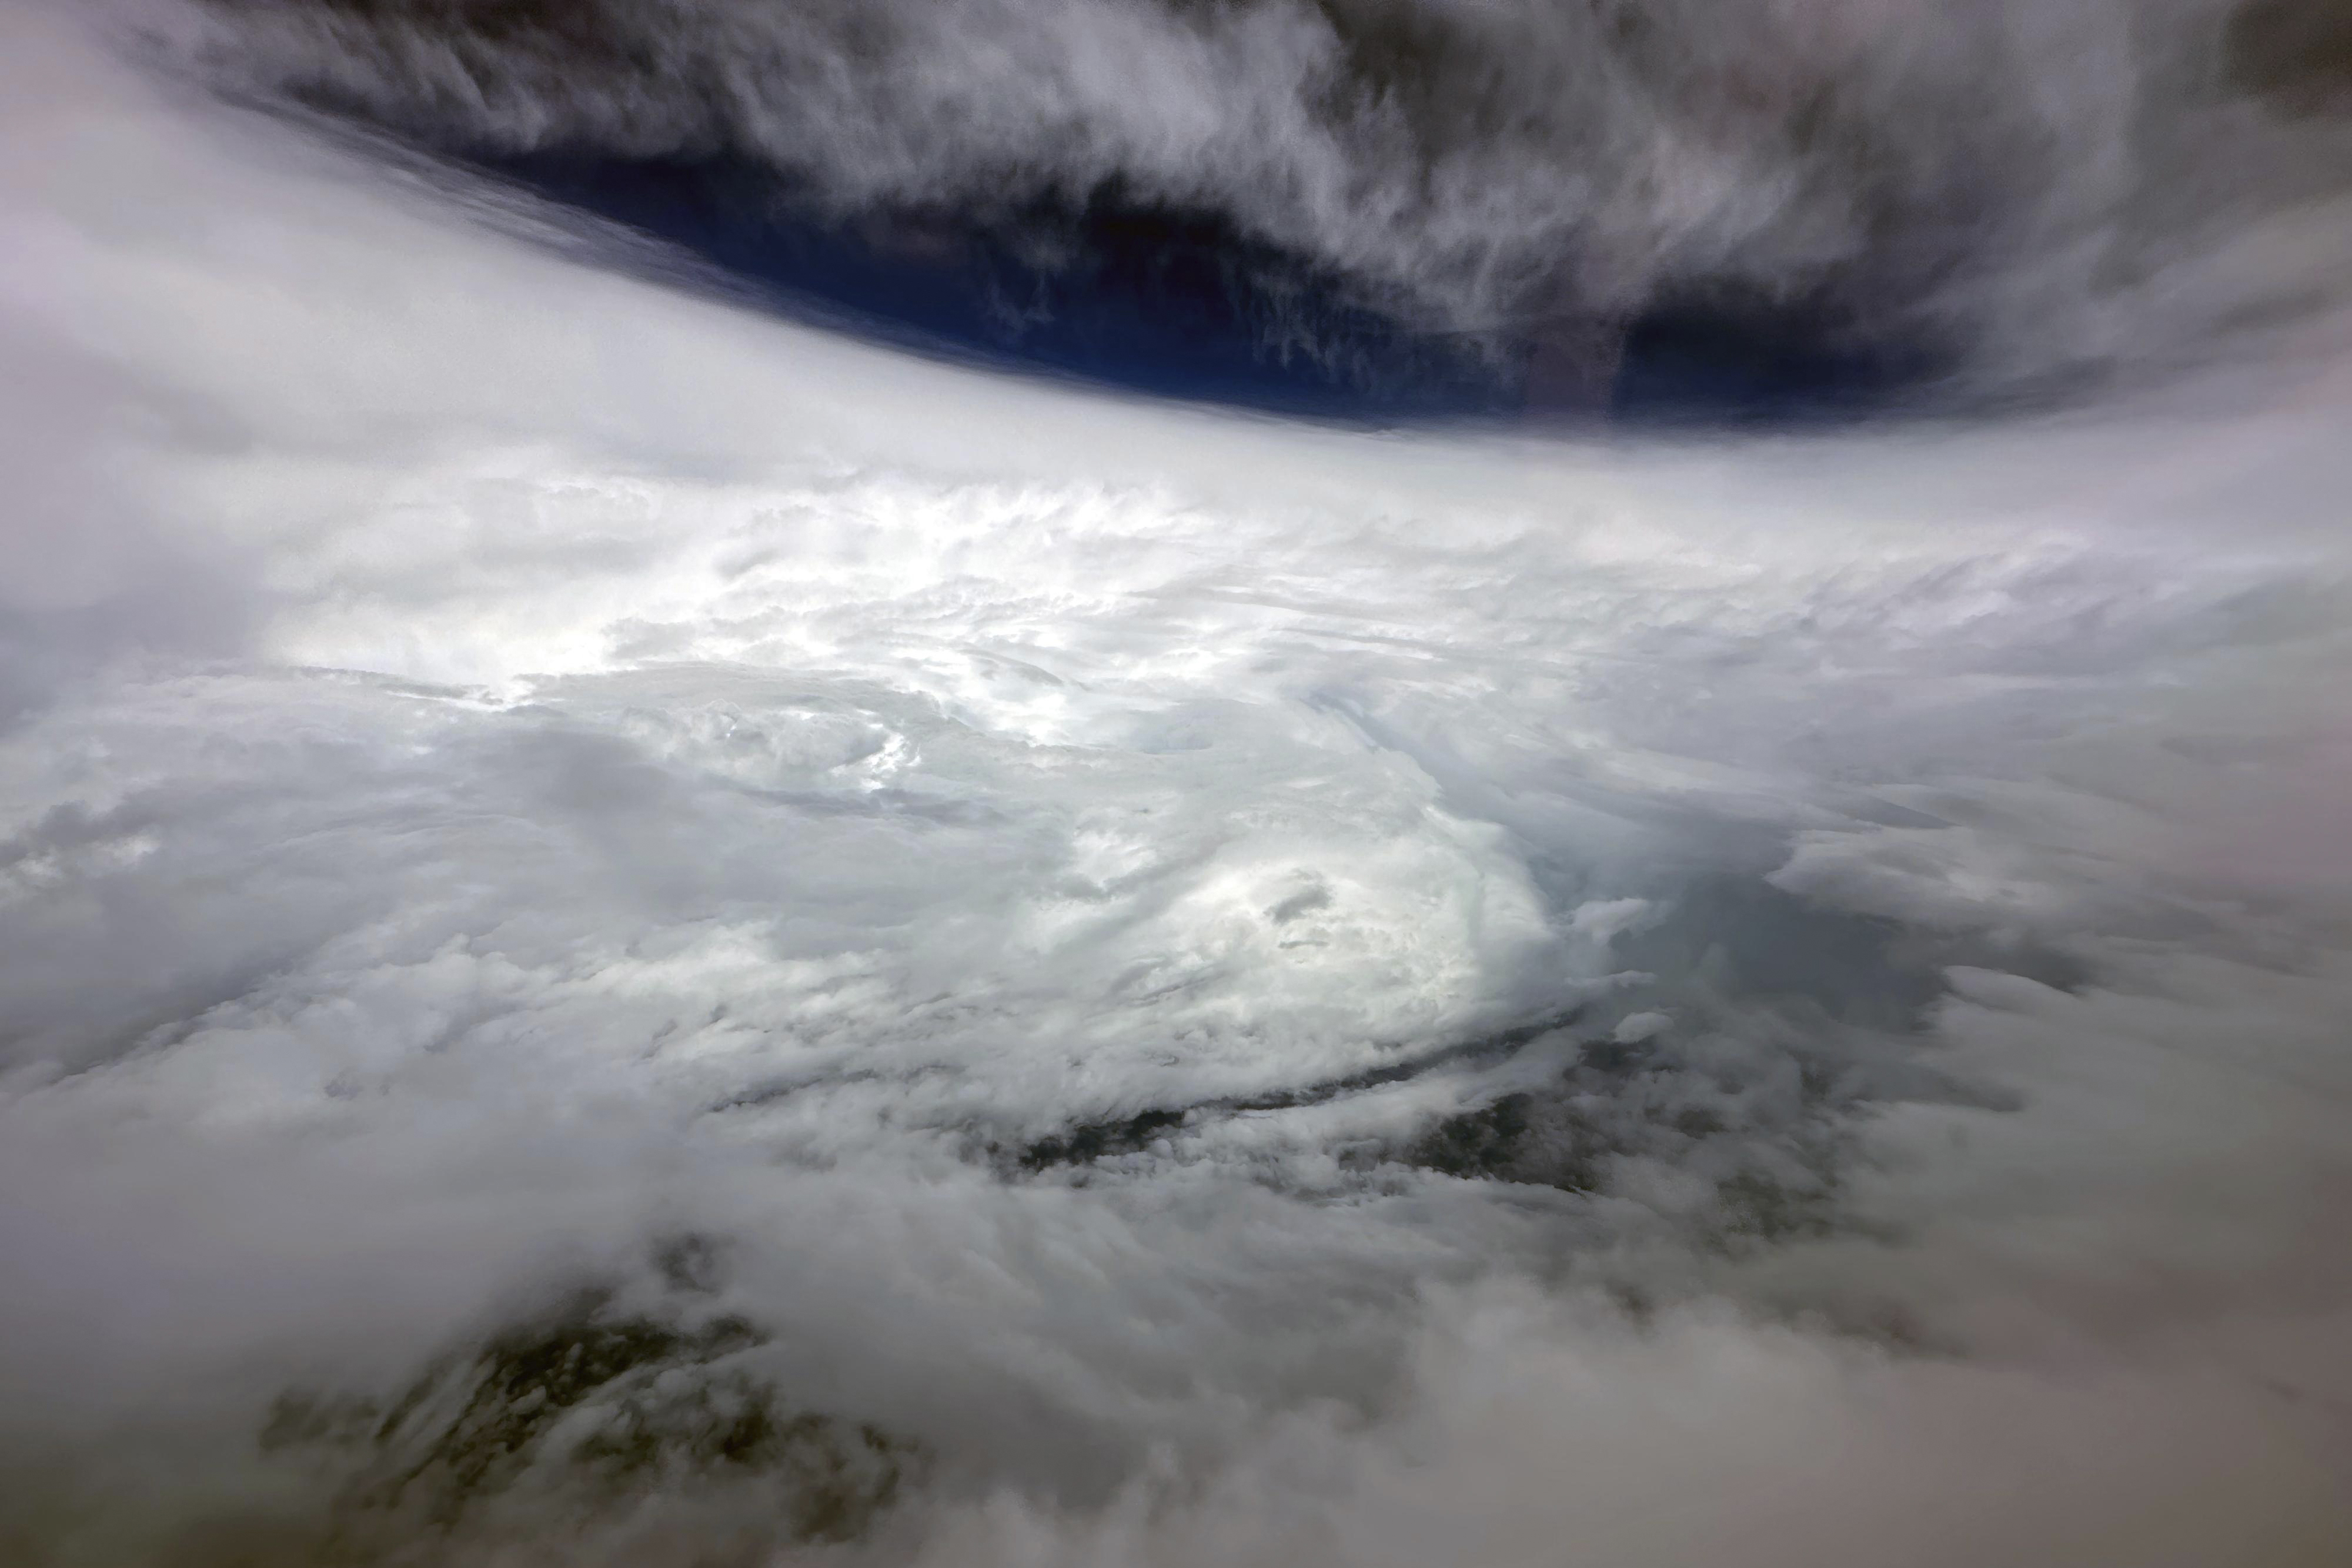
634,933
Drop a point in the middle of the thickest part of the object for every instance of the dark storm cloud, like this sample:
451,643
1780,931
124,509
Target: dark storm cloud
1733,205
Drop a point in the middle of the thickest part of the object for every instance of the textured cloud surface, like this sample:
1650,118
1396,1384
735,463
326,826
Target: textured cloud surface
1984,198
633,934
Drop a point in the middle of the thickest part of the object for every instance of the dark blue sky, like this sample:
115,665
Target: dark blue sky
1134,295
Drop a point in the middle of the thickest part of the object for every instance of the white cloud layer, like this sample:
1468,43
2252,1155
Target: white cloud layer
1079,906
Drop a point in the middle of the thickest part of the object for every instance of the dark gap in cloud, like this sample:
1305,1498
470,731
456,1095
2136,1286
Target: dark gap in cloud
1117,291
1732,355
1774,1173
1084,1143
595,1398
1125,291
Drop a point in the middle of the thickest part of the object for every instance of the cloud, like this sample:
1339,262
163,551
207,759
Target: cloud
2019,195
1232,989
1537,1434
